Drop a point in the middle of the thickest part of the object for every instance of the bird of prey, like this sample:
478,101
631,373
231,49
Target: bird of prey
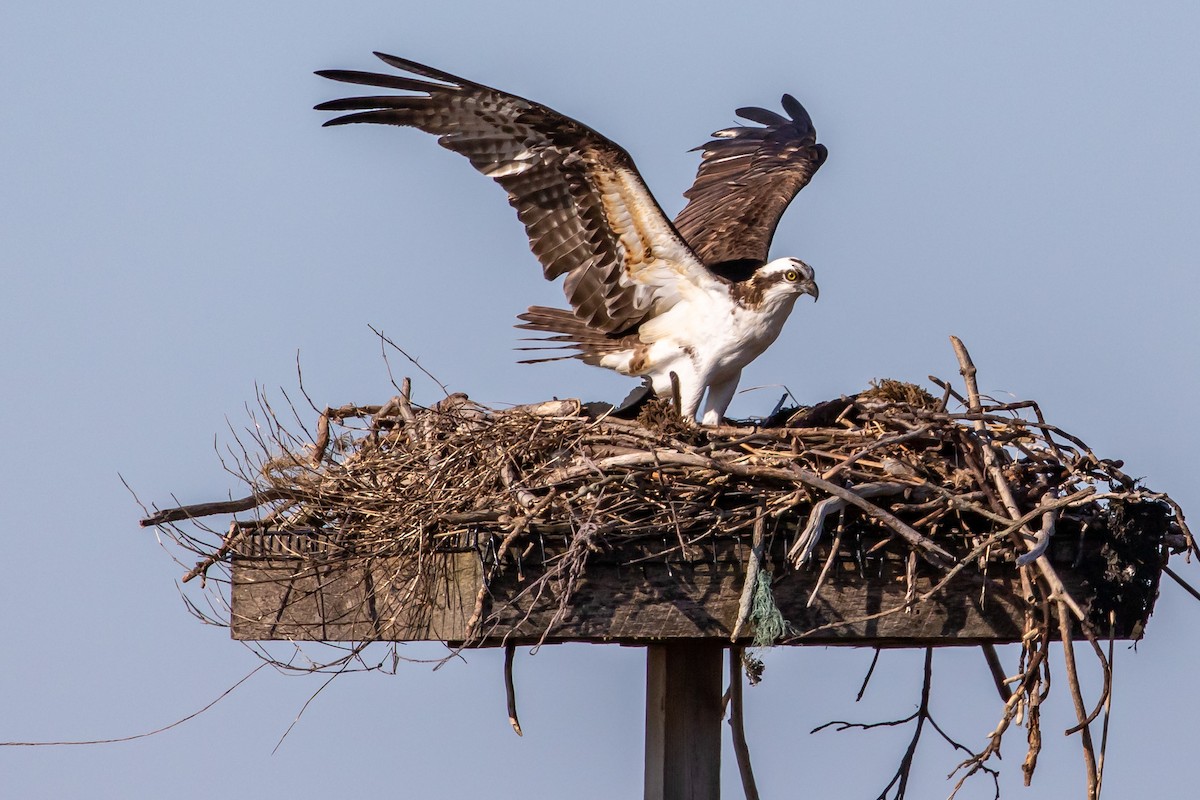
684,304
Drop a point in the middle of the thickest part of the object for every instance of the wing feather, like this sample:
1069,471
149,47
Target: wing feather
746,179
586,210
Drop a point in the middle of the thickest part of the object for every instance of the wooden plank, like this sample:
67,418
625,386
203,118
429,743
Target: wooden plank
283,592
683,720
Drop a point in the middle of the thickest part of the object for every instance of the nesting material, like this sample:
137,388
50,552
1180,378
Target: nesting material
464,523
892,517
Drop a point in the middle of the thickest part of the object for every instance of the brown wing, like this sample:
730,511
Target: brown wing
747,177
585,208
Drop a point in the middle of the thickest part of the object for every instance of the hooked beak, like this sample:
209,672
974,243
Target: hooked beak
810,287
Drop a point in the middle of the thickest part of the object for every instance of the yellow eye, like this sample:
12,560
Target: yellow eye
792,275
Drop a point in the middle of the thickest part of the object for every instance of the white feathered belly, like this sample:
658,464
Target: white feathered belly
708,340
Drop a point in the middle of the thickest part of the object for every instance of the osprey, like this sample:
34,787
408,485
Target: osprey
685,305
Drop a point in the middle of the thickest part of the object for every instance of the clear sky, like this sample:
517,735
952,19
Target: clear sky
175,227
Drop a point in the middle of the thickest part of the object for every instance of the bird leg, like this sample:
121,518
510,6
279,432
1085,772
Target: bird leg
719,397
685,390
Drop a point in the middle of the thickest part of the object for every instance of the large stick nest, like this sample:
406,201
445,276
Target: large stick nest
981,490
945,486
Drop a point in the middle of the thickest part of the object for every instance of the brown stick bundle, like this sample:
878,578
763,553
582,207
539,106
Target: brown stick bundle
985,488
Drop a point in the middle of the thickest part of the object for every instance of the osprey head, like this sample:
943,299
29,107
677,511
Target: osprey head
787,277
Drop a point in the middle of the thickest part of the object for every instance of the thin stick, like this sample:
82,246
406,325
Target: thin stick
519,526
932,552
406,412
154,732
967,368
201,569
1112,625
997,670
740,749
510,692
1187,587
221,507
878,444
1089,751
926,546
414,362
867,678
322,442
746,601
833,553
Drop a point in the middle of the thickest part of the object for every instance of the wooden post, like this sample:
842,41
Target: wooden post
683,720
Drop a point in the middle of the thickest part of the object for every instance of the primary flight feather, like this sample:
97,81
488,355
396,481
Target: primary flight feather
696,298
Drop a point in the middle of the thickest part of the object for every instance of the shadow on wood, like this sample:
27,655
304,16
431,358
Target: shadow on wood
284,589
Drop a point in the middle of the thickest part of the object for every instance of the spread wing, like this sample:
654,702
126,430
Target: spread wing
588,214
747,177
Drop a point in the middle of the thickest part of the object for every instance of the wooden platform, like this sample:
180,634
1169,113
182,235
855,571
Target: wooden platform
311,587
288,586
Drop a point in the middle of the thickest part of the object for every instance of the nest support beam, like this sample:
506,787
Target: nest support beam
683,720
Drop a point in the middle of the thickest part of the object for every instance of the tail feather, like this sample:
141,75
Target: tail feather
575,334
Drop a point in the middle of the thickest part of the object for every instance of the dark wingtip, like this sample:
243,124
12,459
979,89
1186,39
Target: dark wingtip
796,111
417,68
761,115
347,119
391,60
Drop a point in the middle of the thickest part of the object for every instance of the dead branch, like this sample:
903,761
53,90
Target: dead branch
1089,750
741,750
510,692
899,781
198,510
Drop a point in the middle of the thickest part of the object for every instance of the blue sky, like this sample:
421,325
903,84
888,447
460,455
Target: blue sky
175,227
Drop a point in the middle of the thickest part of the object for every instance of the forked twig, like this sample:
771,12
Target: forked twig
899,781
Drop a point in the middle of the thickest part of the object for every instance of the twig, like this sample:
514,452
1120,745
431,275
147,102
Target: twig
834,547
227,543
1112,625
753,567
1044,535
518,527
867,678
901,778
927,548
510,692
411,360
967,368
997,670
878,444
1187,587
1089,752
154,732
806,542
304,708
741,750
407,413
899,781
197,510
948,389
